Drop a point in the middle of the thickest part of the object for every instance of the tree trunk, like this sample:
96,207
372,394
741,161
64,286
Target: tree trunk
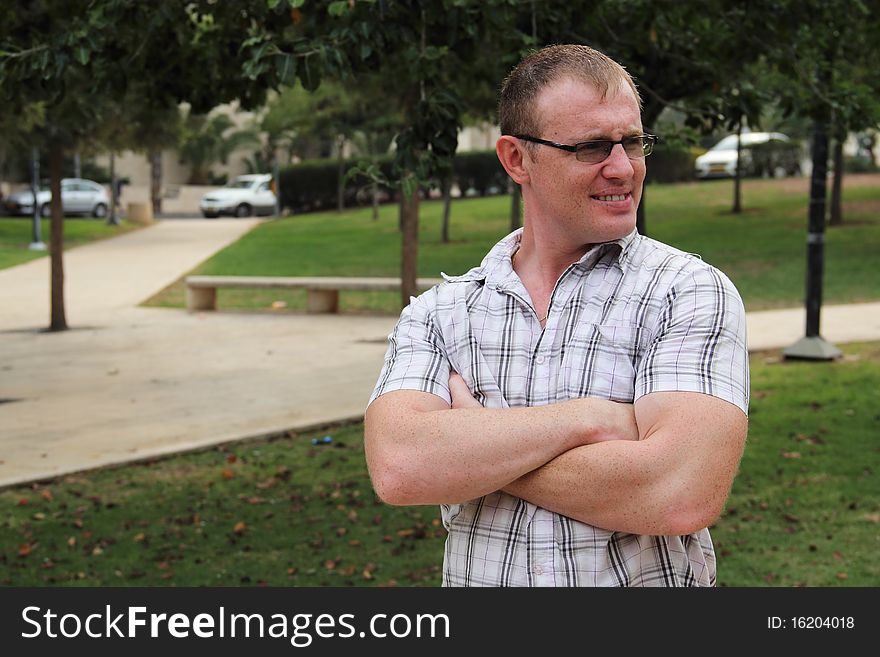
409,215
156,181
340,187
515,207
837,184
640,213
447,206
58,321
737,176
374,188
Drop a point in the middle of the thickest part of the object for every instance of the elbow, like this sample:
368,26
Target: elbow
393,477
688,516
392,487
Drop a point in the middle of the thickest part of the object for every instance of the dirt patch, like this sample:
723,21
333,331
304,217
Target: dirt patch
869,207
753,266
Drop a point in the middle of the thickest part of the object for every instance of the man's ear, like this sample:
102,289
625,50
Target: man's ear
511,154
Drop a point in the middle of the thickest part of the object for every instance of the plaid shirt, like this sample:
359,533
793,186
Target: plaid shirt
630,318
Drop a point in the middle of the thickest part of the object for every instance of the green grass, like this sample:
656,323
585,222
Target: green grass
16,235
805,507
763,250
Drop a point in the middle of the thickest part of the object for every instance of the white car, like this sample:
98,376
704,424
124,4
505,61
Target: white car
243,196
720,160
78,196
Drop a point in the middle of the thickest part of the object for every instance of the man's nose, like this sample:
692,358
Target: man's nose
617,164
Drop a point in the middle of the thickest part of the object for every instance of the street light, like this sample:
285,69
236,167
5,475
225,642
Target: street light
37,243
813,346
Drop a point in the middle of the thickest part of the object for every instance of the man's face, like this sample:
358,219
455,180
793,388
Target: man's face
576,202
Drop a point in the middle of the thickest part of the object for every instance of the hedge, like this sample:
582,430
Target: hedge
312,185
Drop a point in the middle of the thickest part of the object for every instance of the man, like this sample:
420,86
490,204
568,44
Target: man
577,403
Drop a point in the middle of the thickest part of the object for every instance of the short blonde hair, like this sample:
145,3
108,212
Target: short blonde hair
521,88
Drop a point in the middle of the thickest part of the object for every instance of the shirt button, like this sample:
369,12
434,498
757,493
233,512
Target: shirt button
540,359
537,570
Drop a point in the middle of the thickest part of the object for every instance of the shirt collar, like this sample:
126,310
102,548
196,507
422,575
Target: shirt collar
496,267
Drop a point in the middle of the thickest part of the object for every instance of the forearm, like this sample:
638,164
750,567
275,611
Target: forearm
672,481
616,485
422,456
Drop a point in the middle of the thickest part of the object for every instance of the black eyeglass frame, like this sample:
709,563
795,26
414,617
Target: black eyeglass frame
648,141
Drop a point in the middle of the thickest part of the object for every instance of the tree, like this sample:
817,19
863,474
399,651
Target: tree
425,47
821,48
75,58
211,138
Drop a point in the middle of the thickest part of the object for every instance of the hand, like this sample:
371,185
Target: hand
461,394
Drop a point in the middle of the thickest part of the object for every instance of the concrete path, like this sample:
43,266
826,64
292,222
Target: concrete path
127,383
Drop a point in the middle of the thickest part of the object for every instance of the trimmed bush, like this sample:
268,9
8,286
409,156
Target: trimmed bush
669,164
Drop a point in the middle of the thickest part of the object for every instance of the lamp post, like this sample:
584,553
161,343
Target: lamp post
813,346
37,243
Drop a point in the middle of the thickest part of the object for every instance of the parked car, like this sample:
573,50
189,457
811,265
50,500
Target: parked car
78,196
764,154
242,197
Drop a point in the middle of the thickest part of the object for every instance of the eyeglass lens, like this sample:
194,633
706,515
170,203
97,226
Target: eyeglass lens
598,150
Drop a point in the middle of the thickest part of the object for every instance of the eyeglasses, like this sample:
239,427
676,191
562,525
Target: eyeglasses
597,150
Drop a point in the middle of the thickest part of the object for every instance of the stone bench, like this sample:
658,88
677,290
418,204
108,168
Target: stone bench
323,291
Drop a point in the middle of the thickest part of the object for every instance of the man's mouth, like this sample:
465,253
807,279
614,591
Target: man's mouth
612,197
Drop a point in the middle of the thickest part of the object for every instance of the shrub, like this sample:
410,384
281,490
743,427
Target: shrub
670,163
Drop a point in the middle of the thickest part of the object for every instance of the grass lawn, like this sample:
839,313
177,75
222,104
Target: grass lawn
805,507
16,234
763,250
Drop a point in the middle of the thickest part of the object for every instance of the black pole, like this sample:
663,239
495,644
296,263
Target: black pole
813,346
816,231
36,238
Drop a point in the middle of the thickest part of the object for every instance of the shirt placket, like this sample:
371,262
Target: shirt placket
545,372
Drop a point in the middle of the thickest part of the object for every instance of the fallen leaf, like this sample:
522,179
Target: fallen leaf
46,494
163,565
329,564
71,541
97,551
406,532
255,500
24,549
139,538
240,527
228,474
276,305
873,517
39,516
791,455
842,576
22,502
292,571
341,531
353,515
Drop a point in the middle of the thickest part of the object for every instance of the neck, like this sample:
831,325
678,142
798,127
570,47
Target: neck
543,259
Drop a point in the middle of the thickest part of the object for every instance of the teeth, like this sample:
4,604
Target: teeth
613,197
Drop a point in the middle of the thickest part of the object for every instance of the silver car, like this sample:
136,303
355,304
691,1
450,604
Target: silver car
78,196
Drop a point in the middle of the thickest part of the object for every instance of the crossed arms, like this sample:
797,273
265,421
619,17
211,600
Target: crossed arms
661,466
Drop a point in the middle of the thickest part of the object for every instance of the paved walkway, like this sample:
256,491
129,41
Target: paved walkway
127,383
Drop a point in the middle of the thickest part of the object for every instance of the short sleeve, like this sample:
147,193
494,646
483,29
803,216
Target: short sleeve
416,359
699,344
